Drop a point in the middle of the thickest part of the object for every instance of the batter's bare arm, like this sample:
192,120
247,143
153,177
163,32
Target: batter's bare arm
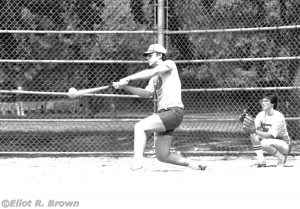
146,74
137,91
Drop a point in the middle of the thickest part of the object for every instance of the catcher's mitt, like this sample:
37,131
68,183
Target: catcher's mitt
248,123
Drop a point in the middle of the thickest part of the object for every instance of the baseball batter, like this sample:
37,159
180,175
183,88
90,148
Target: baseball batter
164,76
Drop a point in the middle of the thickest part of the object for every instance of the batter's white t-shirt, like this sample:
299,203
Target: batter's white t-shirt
168,87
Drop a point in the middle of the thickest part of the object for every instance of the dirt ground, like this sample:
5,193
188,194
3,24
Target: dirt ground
104,182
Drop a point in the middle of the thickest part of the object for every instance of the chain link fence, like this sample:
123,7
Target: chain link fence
228,53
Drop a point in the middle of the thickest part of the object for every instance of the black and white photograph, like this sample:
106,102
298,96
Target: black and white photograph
143,104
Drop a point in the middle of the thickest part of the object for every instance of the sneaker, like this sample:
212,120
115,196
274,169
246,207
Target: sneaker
202,167
282,162
262,165
196,166
136,167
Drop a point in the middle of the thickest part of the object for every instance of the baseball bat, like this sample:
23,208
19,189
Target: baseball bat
76,93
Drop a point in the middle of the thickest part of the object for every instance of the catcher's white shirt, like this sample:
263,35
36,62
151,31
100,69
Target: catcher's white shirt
168,87
274,124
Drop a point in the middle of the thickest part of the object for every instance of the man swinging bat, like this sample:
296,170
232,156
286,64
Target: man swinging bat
170,108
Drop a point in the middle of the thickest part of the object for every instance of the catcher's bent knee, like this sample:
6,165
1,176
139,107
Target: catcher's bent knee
255,139
279,145
265,144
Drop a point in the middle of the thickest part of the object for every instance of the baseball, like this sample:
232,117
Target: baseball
72,92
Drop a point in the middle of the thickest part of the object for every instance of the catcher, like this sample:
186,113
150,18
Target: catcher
268,131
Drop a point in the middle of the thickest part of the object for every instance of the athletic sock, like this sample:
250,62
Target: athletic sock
258,151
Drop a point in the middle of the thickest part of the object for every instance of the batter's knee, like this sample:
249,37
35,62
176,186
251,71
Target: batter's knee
163,157
139,126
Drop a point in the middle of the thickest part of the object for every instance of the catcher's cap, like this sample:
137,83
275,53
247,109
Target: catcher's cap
155,48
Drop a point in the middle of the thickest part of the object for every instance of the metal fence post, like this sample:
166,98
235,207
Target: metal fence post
160,40
161,21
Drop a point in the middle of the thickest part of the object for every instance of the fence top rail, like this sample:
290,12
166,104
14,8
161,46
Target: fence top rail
143,61
243,89
118,120
80,32
284,27
75,61
240,59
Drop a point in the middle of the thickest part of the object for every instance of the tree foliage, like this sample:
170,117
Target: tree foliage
227,14
140,15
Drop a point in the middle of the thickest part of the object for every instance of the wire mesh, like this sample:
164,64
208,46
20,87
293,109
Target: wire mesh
228,54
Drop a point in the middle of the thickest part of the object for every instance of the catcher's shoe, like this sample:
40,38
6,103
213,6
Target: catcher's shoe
196,166
261,165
